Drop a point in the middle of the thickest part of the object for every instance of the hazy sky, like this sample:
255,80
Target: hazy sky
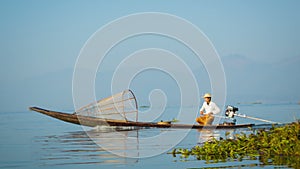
258,42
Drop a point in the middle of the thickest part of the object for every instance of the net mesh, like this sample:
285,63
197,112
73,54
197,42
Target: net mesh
121,106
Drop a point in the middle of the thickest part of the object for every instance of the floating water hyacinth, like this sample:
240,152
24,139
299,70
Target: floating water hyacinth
280,146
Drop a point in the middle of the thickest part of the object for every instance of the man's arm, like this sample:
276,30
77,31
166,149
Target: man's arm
202,110
216,109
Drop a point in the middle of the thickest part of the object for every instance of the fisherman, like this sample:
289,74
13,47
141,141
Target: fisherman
207,111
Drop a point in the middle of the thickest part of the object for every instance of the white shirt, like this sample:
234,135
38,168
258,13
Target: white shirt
212,107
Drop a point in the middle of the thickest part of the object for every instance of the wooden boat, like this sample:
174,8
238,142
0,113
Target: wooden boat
93,121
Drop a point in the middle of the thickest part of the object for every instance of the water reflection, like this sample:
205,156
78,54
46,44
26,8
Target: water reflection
289,161
124,142
82,147
78,148
207,135
94,146
230,134
100,144
255,165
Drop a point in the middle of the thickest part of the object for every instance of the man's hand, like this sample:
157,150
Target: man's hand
211,113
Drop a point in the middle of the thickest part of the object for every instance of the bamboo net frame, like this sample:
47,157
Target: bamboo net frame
121,106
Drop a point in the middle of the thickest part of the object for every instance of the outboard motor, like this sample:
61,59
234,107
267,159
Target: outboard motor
229,114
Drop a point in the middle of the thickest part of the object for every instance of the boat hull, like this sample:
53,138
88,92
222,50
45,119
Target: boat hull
93,121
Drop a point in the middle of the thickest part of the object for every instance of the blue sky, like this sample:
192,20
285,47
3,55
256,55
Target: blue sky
258,42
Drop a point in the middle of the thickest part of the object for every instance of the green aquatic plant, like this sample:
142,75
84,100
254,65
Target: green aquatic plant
275,145
174,120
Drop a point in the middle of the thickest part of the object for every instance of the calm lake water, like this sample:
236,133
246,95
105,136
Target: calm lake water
31,140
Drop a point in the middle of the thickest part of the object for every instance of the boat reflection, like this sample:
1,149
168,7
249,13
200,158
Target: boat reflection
79,148
107,145
102,145
207,135
122,141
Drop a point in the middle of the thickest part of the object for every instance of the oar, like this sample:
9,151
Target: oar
255,118
249,117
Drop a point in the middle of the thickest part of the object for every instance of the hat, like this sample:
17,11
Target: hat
206,95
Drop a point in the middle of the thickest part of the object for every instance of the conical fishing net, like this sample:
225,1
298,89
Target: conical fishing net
120,107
